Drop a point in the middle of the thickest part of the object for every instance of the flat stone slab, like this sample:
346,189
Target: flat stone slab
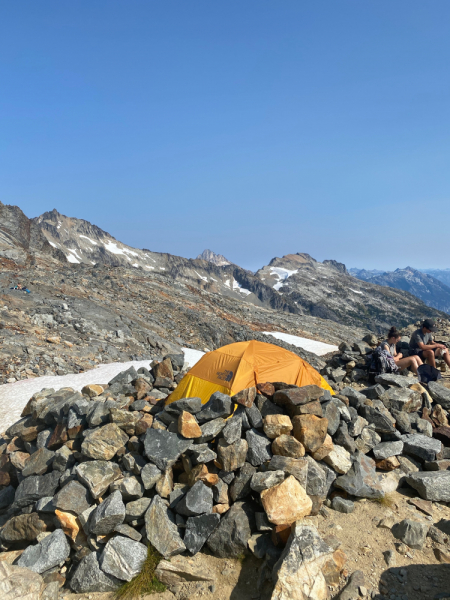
164,448
431,485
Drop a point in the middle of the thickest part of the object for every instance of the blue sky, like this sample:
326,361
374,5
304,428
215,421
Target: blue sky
254,128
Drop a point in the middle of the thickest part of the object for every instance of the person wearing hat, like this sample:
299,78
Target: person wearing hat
421,344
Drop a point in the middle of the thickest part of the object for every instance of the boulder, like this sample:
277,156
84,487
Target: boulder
339,460
210,430
232,456
103,443
35,487
19,583
402,399
421,446
286,502
180,570
387,449
188,426
361,479
390,379
287,445
412,533
73,497
265,480
342,505
245,397
231,536
97,475
150,475
324,450
198,530
232,431
161,529
298,572
276,425
23,528
240,486
296,396
259,450
89,577
53,550
291,466
38,463
440,394
164,448
310,430
431,485
110,513
218,406
123,558
198,501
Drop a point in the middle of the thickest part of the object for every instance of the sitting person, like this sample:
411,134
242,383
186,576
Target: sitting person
422,345
390,345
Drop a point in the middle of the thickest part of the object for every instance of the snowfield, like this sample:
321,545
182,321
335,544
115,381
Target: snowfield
318,348
14,396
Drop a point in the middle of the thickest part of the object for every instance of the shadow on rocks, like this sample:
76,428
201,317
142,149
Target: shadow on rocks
415,582
247,587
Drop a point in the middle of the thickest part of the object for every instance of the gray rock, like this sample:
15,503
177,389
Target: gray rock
412,533
97,475
387,449
22,528
342,505
31,489
164,448
130,488
373,392
161,529
265,480
424,427
220,492
402,399
355,398
128,531
150,476
202,454
297,396
368,439
421,446
361,480
136,509
53,550
123,558
240,413
240,486
353,586
51,591
316,484
198,530
176,495
230,538
356,426
298,467
262,522
344,439
103,443
395,380
38,463
431,485
382,423
124,377
211,430
64,459
190,405
198,501
254,416
107,515
88,577
98,414
259,447
440,394
45,505
218,406
43,438
232,430
403,422
331,412
73,497
7,496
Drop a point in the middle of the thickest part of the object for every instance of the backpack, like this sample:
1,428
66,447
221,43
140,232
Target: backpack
382,362
428,373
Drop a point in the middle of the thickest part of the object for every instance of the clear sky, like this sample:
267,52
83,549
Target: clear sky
255,128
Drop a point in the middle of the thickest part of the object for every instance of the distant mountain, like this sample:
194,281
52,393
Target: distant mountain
21,240
364,273
441,274
429,289
327,290
217,259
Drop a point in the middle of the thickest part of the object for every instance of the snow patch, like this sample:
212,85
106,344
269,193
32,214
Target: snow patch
282,274
52,244
204,278
318,348
356,291
88,239
192,356
227,283
238,287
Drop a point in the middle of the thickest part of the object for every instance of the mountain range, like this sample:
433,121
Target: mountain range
295,284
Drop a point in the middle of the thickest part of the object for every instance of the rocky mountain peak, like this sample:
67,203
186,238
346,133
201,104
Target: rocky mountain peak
217,259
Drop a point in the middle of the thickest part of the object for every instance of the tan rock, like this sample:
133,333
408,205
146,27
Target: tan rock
165,484
388,464
286,502
276,425
220,509
310,430
71,526
245,397
324,449
442,555
142,388
19,583
180,570
266,389
18,459
419,388
287,445
11,556
232,456
188,426
164,369
92,390
54,339
333,568
201,473
312,408
439,416
339,459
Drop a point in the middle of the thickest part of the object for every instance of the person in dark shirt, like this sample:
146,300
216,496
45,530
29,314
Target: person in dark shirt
422,345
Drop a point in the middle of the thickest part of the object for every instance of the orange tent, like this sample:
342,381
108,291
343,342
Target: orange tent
244,364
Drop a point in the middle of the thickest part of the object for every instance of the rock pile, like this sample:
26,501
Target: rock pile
89,479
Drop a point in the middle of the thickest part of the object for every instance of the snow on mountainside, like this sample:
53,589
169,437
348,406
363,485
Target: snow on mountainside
429,289
329,291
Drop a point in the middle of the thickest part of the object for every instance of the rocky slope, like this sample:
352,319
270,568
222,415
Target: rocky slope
327,290
424,286
441,274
